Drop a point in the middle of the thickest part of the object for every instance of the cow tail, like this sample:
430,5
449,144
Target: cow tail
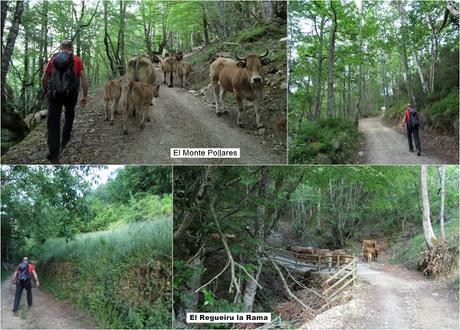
136,72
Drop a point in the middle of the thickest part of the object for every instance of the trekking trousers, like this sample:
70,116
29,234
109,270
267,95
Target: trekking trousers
55,105
413,130
17,297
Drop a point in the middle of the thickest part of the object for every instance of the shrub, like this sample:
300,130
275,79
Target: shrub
330,140
121,276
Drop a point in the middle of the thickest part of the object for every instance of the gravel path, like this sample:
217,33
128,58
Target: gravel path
46,312
384,145
179,119
393,299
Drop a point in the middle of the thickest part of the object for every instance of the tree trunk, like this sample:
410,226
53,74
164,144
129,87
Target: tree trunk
121,39
404,41
318,213
360,71
427,228
441,171
267,10
5,5
319,58
107,42
205,26
420,72
9,47
259,233
25,79
330,63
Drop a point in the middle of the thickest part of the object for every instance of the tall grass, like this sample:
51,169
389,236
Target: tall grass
121,276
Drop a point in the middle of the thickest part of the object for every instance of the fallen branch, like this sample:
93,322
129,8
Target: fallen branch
286,287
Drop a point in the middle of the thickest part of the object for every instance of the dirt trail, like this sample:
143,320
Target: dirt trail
384,145
394,299
46,312
179,119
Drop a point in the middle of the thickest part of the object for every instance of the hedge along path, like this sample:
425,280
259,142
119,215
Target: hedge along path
46,312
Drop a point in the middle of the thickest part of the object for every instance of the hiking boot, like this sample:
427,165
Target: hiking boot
419,153
53,159
15,313
411,150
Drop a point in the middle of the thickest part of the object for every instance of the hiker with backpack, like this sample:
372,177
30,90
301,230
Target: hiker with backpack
412,123
22,278
60,82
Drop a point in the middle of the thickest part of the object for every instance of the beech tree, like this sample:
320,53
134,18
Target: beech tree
427,228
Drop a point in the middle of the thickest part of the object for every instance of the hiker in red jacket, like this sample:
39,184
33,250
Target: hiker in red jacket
22,278
412,123
60,82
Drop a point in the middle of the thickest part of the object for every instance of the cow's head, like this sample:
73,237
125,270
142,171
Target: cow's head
178,56
154,58
253,64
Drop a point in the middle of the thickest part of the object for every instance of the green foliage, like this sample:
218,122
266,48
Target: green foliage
409,252
120,276
443,114
143,207
334,141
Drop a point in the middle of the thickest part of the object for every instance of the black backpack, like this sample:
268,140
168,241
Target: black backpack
63,80
413,117
23,275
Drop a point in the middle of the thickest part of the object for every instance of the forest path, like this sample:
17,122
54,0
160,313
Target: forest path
46,312
179,120
384,145
394,298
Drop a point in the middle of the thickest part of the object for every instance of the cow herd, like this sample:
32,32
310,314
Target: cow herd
137,88
371,249
311,254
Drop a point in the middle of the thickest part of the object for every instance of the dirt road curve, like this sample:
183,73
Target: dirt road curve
394,299
179,119
386,146
46,312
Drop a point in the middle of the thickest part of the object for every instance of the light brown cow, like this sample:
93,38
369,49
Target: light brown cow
243,79
140,68
302,249
140,96
369,254
339,255
325,255
183,71
169,65
112,94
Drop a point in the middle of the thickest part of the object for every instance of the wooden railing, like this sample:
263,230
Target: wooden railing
343,266
315,261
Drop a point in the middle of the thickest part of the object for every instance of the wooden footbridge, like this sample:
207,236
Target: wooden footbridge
339,270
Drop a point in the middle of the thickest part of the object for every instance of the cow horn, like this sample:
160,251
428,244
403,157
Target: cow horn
262,56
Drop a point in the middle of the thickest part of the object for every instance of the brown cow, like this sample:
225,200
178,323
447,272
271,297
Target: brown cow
112,94
242,78
140,68
302,249
370,251
183,71
169,66
325,255
154,58
140,95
